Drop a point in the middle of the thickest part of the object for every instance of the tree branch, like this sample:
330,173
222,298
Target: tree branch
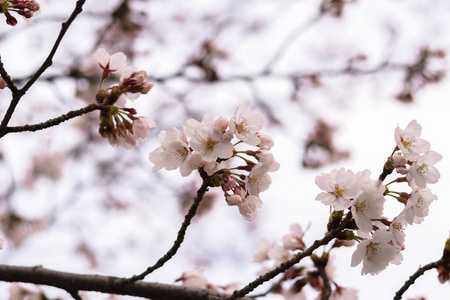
417,274
18,93
104,284
180,236
290,263
52,122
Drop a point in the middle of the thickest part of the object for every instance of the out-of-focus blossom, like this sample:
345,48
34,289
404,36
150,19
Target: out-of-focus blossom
294,240
194,279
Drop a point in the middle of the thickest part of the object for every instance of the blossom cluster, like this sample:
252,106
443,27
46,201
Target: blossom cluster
209,145
119,124
297,277
26,8
381,239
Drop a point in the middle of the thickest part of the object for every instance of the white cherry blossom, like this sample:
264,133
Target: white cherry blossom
409,141
417,206
245,125
141,128
210,140
423,171
258,180
368,205
173,152
375,253
340,187
110,63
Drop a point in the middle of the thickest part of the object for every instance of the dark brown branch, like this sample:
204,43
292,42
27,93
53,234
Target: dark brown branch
17,94
105,284
417,274
290,263
180,236
52,122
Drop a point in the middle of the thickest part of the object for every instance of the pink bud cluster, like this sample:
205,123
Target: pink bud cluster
118,124
208,145
25,8
122,128
382,239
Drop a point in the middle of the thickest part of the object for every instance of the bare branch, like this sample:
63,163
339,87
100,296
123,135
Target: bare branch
417,274
181,233
104,284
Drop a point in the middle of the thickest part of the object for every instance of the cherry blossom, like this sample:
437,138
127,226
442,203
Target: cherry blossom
247,204
141,128
368,205
397,228
173,152
245,125
340,187
417,206
211,142
266,141
258,180
267,158
409,141
423,171
375,253
110,63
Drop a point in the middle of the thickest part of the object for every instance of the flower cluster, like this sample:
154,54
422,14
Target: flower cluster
382,239
209,145
119,124
297,277
26,8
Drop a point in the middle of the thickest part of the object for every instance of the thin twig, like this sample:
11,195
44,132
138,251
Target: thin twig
290,263
417,274
52,122
180,236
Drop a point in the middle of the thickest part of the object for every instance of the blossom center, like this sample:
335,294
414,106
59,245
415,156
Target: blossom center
408,142
209,143
181,154
372,250
338,190
242,127
423,169
362,206
255,180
